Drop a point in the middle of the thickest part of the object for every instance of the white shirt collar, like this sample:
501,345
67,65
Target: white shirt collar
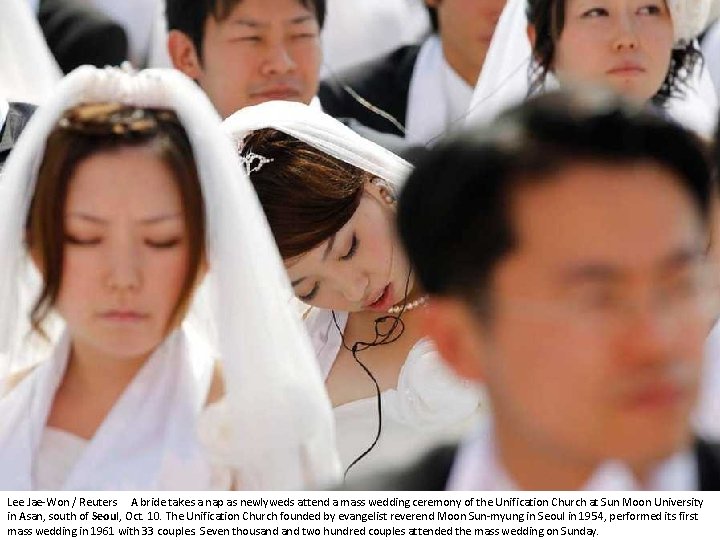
477,468
4,107
438,98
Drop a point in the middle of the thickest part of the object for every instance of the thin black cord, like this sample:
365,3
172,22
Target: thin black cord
395,122
381,338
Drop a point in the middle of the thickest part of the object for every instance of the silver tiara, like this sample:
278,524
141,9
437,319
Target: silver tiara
253,162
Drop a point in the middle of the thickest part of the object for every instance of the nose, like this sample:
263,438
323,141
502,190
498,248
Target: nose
124,268
625,37
652,336
278,61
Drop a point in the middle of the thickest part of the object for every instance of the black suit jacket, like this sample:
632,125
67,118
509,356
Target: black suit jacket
78,33
384,82
432,471
17,116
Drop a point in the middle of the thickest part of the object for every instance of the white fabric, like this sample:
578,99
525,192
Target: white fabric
438,98
360,30
28,71
429,406
691,17
711,52
148,441
4,107
59,452
707,418
312,126
698,108
477,468
503,80
274,426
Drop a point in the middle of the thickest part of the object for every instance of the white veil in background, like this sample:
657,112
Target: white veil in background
28,71
274,426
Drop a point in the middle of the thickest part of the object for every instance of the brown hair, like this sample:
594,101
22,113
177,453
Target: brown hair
88,129
306,194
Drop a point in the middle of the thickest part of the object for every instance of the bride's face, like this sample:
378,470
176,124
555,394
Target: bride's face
625,45
362,267
125,255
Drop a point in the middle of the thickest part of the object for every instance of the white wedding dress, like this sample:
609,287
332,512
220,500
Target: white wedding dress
429,406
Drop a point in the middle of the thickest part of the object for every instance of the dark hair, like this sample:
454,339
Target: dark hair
548,18
83,131
454,214
306,194
189,16
434,21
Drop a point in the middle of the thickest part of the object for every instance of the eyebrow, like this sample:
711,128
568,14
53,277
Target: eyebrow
607,272
146,221
252,23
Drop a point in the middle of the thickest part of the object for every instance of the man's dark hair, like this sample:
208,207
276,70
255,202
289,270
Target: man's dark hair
454,214
189,16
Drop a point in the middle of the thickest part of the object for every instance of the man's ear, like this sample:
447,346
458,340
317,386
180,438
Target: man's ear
458,336
183,54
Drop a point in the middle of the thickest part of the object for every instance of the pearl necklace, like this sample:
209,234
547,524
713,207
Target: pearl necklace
394,310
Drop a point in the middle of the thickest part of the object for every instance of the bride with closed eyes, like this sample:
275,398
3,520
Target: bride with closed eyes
329,196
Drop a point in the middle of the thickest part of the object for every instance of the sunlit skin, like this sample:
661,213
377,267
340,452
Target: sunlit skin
466,29
349,272
125,261
265,50
595,342
625,45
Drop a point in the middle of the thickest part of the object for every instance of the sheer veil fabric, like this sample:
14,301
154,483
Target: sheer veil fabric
503,81
274,426
28,71
321,131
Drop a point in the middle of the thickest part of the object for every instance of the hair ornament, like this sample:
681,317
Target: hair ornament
114,119
253,162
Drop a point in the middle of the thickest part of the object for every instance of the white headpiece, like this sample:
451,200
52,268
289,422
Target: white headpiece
321,131
277,421
691,17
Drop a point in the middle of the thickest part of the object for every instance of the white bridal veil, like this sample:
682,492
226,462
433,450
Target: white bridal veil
321,131
274,426
28,71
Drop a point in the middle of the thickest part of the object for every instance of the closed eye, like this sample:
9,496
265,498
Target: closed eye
309,296
162,244
77,241
352,250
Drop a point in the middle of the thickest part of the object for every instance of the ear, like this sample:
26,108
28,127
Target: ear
183,54
380,191
532,35
458,336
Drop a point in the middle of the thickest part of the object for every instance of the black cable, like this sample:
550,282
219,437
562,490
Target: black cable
381,338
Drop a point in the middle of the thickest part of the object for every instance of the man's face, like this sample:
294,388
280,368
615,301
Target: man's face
264,50
594,345
466,30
